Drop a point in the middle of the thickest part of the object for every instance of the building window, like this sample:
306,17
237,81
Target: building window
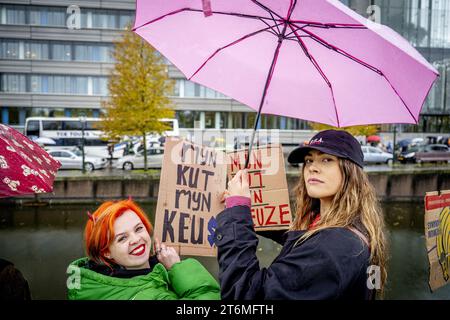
100,86
61,84
51,50
13,83
125,19
47,16
100,53
36,50
104,19
56,16
194,90
13,14
9,49
237,120
223,120
210,118
61,52
186,119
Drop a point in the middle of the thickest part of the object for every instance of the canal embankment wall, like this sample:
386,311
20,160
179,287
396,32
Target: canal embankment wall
389,185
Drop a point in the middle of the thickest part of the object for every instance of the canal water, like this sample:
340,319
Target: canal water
42,241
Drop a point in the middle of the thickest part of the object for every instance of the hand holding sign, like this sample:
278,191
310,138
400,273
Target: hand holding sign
168,256
239,185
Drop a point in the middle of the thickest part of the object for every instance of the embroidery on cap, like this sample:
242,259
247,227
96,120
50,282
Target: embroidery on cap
316,141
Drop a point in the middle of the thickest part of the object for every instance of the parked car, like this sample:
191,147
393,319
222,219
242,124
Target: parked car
426,153
73,159
130,162
376,155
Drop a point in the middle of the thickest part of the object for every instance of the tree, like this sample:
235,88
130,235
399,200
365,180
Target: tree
366,130
139,89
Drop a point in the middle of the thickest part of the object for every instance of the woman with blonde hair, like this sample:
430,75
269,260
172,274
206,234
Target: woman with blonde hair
121,264
336,246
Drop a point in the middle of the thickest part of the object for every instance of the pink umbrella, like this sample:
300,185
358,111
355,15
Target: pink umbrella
311,59
25,168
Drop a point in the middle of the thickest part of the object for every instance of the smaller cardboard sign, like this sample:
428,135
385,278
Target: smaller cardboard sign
437,234
268,186
191,185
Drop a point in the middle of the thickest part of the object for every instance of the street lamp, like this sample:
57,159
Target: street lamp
83,123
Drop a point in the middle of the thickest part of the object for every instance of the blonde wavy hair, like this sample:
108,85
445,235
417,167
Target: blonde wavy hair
354,206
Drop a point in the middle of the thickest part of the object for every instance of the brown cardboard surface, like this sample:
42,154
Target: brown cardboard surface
192,180
268,185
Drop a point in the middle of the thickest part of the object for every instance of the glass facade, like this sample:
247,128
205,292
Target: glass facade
426,25
54,84
237,120
47,16
188,89
55,50
17,115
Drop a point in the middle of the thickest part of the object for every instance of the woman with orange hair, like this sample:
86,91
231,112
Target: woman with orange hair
121,264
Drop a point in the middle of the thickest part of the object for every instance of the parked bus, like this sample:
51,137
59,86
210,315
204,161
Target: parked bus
64,132
67,132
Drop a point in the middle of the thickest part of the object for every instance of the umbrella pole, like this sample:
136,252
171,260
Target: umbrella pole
252,138
266,87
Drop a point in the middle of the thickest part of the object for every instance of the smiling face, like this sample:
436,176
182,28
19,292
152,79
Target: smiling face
131,245
322,174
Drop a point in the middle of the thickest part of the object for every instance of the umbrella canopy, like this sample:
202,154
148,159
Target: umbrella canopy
373,139
311,59
25,168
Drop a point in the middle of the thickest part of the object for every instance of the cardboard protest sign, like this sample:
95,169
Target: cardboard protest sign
192,181
268,186
437,233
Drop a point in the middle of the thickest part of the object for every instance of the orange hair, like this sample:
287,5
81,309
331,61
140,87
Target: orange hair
99,230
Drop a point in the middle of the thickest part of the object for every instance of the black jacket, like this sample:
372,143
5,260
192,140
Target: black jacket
332,264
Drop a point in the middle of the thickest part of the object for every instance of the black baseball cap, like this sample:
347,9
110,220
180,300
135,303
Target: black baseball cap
335,142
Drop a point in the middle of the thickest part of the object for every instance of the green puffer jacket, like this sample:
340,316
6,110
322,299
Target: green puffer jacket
187,279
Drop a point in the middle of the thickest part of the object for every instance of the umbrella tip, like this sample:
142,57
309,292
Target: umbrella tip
207,11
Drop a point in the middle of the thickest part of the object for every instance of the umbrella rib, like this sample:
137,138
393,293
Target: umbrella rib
228,45
292,32
271,27
267,9
316,65
370,67
330,25
291,9
274,21
342,52
240,15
